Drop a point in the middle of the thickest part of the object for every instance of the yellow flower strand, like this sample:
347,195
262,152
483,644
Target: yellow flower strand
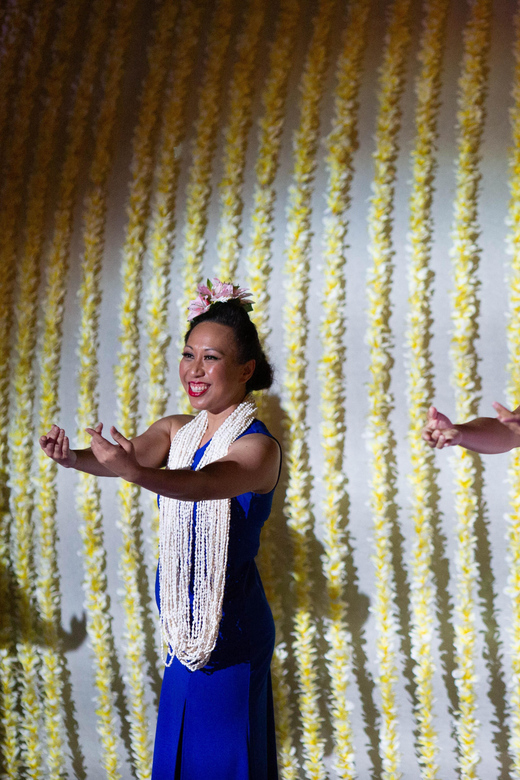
22,433
236,135
11,196
88,493
420,378
258,263
127,379
341,144
48,591
379,337
13,26
465,254
162,225
513,335
299,517
199,186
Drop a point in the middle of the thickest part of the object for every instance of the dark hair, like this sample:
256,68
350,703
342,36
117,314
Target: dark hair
233,314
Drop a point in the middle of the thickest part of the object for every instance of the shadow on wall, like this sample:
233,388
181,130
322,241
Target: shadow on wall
358,610
359,604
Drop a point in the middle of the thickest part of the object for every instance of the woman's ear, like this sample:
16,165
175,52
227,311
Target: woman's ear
248,369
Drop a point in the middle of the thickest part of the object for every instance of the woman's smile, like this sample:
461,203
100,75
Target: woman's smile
196,389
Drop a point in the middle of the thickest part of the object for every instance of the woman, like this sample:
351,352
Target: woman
488,435
215,713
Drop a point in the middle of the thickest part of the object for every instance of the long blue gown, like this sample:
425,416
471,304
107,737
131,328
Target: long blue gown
217,723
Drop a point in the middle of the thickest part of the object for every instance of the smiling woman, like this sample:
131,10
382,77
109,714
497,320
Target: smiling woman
215,714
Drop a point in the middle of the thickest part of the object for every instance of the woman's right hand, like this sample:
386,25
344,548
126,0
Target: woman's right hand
439,430
56,446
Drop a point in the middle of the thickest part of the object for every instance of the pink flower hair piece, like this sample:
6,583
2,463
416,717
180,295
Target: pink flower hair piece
214,291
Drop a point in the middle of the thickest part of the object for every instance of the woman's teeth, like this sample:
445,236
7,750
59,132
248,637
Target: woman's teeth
197,389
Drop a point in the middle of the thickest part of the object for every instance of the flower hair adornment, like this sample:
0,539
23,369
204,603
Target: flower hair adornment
215,291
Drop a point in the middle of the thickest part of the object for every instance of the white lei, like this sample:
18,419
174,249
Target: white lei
191,630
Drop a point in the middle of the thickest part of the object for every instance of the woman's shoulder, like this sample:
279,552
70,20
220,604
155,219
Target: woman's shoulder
257,426
174,422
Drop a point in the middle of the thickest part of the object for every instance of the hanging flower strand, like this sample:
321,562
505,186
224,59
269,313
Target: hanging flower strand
88,492
22,434
49,597
127,378
380,398
199,186
465,379
11,195
258,263
13,27
299,518
236,135
420,383
513,336
161,232
341,144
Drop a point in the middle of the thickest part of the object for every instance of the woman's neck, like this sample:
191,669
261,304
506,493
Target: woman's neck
215,420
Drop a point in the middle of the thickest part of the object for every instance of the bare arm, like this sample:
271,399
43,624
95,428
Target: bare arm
252,464
151,447
487,435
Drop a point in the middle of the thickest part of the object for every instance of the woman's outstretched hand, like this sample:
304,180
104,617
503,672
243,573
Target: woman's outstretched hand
56,446
439,430
119,458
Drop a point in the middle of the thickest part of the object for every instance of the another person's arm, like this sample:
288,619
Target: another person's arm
487,435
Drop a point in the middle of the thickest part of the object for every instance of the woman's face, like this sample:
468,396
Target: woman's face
209,370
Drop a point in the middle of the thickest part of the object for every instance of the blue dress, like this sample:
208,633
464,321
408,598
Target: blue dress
217,723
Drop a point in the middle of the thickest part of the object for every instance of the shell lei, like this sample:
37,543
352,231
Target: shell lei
472,85
88,493
513,335
190,628
299,519
236,134
199,187
341,144
420,383
381,440
258,263
161,241
127,378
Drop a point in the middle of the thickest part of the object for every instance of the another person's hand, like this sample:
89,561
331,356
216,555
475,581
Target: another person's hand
56,446
508,418
119,458
439,430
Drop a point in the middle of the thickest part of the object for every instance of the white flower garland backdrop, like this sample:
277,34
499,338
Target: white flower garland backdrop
357,164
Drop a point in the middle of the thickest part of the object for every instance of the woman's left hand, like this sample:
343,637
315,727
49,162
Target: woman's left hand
119,458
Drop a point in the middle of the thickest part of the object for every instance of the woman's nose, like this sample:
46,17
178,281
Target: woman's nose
197,367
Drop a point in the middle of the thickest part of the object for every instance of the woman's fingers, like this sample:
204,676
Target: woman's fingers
118,437
55,444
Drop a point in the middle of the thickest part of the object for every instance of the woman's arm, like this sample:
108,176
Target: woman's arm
251,465
487,435
151,447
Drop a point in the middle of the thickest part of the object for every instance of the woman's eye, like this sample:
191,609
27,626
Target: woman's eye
210,357
187,355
